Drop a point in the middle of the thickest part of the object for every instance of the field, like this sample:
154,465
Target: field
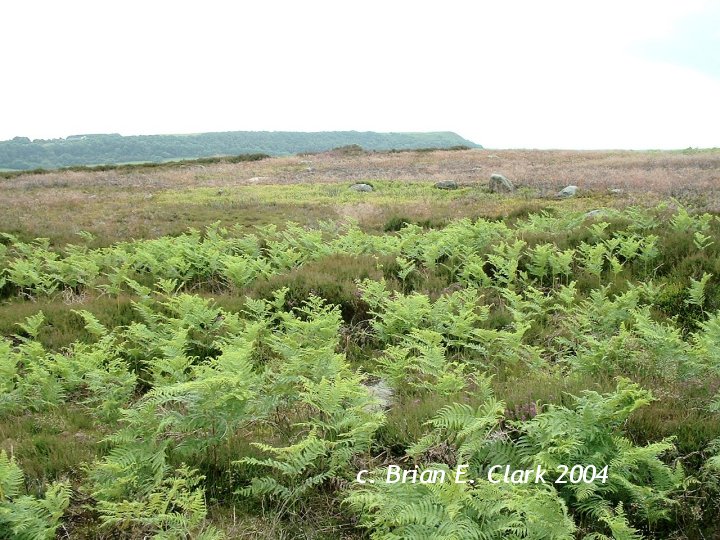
216,351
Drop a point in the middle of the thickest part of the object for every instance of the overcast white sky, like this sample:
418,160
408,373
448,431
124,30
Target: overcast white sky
505,74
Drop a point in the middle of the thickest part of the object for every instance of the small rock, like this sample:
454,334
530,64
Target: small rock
382,392
83,437
617,191
596,213
569,191
365,188
500,184
446,184
257,179
309,169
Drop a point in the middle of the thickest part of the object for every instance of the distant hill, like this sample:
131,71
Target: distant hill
21,153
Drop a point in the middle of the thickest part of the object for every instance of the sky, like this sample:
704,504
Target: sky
634,74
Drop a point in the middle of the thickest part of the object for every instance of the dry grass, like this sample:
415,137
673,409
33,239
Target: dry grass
121,204
663,172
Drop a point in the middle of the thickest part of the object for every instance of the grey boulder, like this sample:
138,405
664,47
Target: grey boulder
382,394
364,188
447,184
569,191
500,184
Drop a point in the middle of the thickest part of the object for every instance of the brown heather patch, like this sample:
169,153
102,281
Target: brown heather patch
121,204
361,212
643,171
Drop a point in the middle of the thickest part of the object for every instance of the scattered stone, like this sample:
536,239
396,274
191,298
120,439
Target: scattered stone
500,184
447,184
383,394
365,188
569,191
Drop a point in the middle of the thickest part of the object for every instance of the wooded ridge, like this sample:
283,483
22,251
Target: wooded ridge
21,153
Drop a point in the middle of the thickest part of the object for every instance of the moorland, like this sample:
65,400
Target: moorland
214,350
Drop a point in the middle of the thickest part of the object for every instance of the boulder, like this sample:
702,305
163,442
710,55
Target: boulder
383,394
596,213
569,191
364,188
500,184
447,184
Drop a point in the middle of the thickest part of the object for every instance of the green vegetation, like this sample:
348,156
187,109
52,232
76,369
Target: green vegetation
116,212
21,153
224,382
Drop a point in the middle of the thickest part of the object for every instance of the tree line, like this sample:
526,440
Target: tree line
21,153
